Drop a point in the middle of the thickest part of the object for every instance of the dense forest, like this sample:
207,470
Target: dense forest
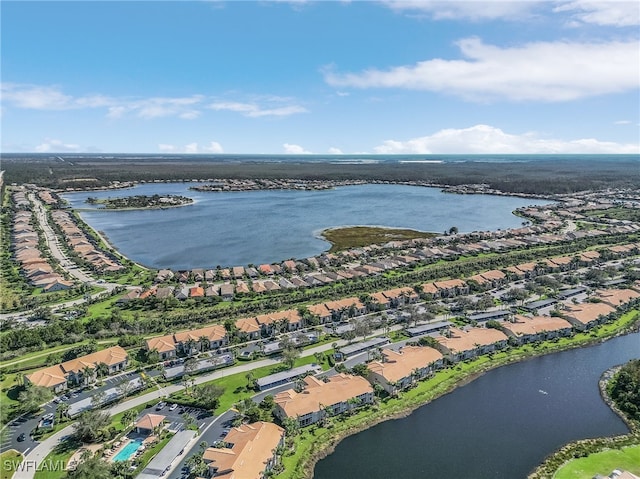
625,389
539,176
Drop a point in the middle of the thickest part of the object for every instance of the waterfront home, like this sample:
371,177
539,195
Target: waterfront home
587,315
250,452
265,269
164,275
149,424
211,337
238,272
164,345
400,369
80,369
461,344
529,329
618,297
319,399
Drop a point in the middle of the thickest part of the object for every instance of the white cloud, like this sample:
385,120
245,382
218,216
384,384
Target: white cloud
254,110
622,122
57,146
291,149
485,139
617,13
542,71
464,9
335,151
191,148
162,107
35,97
214,147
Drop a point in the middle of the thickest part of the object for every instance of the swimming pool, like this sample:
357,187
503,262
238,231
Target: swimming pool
129,450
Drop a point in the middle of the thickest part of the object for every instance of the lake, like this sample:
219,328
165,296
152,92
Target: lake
254,227
500,426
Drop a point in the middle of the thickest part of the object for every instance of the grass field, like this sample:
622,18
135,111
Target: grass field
603,463
9,461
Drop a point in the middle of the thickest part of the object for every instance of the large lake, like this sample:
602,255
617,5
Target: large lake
240,228
500,426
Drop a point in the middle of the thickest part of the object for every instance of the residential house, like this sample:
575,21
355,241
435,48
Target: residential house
587,315
400,369
529,329
248,328
618,297
226,292
57,377
164,345
318,399
452,287
250,452
210,337
471,342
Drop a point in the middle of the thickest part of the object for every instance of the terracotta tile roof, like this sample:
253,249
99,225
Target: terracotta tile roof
430,288
150,421
291,316
162,344
253,446
587,312
212,333
470,339
527,267
196,292
344,304
318,394
399,292
109,356
380,298
398,365
536,324
449,284
493,275
617,297
248,325
319,310
48,377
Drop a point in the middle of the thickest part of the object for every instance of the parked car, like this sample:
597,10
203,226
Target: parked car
22,437
161,405
172,407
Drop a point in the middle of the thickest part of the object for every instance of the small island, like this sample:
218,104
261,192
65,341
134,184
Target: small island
140,202
357,236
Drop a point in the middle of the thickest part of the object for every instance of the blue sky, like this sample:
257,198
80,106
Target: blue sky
331,77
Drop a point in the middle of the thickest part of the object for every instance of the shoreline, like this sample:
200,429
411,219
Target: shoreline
307,467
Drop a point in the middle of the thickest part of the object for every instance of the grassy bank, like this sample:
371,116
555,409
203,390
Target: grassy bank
627,458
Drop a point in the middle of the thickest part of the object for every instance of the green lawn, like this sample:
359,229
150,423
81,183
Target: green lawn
603,463
53,466
9,461
235,385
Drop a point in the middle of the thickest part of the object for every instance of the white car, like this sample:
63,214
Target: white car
172,407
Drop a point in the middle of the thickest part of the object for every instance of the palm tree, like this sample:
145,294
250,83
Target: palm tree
204,343
102,369
87,375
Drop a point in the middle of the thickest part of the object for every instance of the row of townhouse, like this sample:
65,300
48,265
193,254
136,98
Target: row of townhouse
398,370
79,242
189,342
81,370
26,252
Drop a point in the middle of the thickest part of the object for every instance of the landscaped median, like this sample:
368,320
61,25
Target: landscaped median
314,443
